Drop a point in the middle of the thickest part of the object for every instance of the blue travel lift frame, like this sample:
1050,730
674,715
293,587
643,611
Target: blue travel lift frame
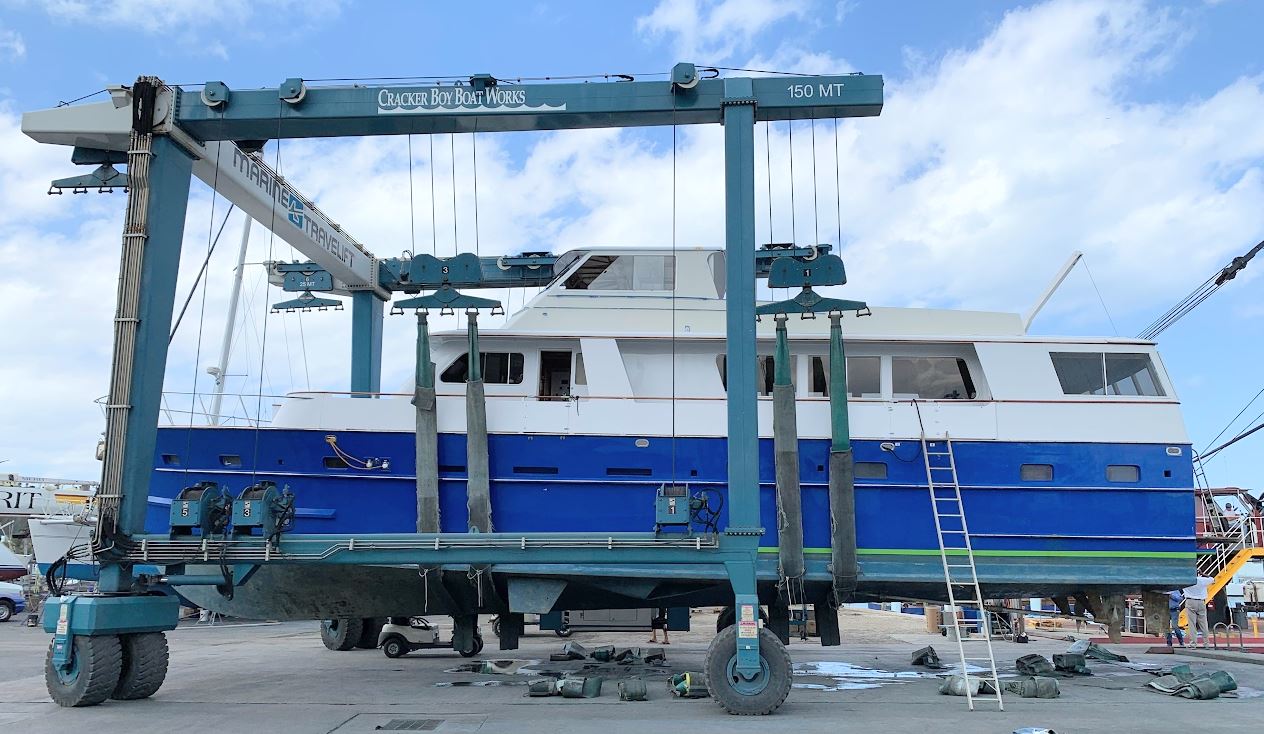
127,609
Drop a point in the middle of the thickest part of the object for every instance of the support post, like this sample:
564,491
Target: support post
842,473
743,420
366,344
159,195
230,321
427,432
478,483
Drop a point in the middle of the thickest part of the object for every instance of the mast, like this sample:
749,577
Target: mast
220,371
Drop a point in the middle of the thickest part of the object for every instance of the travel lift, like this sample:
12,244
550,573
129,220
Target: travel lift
110,644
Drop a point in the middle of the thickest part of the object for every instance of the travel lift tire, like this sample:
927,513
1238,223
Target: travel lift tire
145,658
728,617
762,695
341,634
476,649
372,629
94,672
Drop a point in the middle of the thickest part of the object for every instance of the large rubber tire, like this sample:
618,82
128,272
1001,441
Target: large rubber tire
98,661
395,646
145,658
372,629
748,698
341,634
7,610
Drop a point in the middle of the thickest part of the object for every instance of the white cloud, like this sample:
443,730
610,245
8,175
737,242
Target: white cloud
201,28
711,31
986,168
12,47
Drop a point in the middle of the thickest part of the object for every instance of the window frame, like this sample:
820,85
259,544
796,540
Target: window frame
1153,369
465,356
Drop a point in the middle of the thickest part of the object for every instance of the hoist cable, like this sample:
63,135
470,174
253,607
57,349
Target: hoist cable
1211,454
794,238
838,192
455,237
474,152
816,203
201,271
1100,300
768,175
1234,419
412,202
434,223
1200,294
263,339
673,294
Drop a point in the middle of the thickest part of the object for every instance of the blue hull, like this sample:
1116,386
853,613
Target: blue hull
1131,534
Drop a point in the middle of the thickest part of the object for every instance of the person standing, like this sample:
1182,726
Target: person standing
659,622
1196,610
1174,601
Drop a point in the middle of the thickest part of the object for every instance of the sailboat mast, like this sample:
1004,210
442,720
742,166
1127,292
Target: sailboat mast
220,372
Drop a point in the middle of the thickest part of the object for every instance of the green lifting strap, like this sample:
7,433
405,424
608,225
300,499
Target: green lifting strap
785,435
842,473
478,483
427,432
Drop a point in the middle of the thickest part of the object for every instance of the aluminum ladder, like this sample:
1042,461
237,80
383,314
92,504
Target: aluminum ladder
957,553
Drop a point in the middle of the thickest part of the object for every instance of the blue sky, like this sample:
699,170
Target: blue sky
1012,135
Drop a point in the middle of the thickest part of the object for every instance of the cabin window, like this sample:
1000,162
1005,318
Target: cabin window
1097,373
335,462
499,368
1123,473
581,377
229,460
624,273
1036,472
170,460
718,272
765,372
871,470
931,378
864,377
555,375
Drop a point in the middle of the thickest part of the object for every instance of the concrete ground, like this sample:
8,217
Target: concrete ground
279,678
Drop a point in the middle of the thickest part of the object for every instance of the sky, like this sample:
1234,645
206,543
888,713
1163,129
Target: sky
1012,134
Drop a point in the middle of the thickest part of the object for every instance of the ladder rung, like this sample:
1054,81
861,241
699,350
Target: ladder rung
947,530
951,514
939,453
960,565
941,468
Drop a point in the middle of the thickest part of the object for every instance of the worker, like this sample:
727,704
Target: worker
1175,600
1196,610
1017,620
659,622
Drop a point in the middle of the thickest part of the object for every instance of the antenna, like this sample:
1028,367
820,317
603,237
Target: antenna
1053,287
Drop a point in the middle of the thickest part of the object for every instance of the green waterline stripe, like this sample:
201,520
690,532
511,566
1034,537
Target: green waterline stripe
1001,553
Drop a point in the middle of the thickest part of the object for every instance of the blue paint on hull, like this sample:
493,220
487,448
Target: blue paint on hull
607,484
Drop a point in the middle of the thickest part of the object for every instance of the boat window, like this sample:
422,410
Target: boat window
1123,473
229,460
864,377
871,470
718,272
624,273
555,375
499,368
335,462
932,378
1036,472
581,377
1097,373
170,460
764,372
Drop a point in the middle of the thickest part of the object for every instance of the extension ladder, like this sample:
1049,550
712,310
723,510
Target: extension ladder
957,553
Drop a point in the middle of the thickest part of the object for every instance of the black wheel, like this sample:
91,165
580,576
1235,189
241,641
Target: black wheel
370,631
7,610
341,634
762,694
145,658
395,647
475,647
93,674
496,626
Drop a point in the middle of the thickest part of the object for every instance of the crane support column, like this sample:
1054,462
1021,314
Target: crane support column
366,344
427,432
743,420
